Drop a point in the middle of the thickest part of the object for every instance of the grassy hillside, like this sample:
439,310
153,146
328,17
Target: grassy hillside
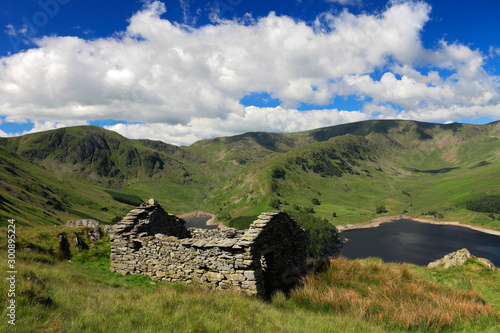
82,172
105,157
54,294
35,196
349,170
407,166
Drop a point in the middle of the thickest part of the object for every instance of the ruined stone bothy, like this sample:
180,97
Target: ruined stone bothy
269,256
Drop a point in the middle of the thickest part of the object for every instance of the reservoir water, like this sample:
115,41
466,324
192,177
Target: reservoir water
199,222
418,243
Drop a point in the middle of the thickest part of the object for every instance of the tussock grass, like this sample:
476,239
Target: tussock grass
54,295
390,293
85,299
82,295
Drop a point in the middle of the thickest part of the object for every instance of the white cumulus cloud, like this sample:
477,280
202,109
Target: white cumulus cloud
180,84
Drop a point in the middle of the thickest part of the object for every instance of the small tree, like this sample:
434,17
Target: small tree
277,172
275,203
315,201
309,210
380,209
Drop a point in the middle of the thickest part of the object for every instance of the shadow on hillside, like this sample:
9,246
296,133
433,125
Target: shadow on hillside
435,171
480,164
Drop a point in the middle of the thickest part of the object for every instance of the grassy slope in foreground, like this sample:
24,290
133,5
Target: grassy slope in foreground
348,296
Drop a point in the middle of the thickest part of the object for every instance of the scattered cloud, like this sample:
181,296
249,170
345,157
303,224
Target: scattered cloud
494,52
12,31
40,126
181,84
346,2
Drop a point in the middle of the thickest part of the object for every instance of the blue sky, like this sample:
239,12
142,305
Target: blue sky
185,70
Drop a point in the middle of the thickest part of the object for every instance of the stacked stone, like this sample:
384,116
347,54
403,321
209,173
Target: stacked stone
222,259
278,246
150,219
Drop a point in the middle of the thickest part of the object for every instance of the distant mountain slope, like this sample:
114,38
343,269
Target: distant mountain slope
102,156
33,195
348,168
373,163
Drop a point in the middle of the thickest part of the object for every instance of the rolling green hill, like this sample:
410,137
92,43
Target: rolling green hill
35,196
439,166
349,169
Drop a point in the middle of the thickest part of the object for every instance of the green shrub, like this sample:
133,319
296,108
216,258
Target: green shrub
380,209
274,186
309,210
275,203
242,222
277,173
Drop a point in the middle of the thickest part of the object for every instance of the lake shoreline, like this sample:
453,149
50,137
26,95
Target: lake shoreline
386,219
198,213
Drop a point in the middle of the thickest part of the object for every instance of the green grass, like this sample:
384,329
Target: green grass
34,196
54,295
89,300
471,276
84,296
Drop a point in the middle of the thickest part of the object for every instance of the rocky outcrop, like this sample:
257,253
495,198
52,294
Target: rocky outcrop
268,256
93,234
459,258
83,224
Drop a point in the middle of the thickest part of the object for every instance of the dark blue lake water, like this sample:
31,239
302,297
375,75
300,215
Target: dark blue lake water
418,243
199,222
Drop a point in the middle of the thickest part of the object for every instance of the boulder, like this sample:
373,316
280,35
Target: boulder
459,258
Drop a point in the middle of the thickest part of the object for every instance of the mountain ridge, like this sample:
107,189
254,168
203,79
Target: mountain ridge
352,166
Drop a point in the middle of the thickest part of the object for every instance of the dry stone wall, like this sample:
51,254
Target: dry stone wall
269,256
